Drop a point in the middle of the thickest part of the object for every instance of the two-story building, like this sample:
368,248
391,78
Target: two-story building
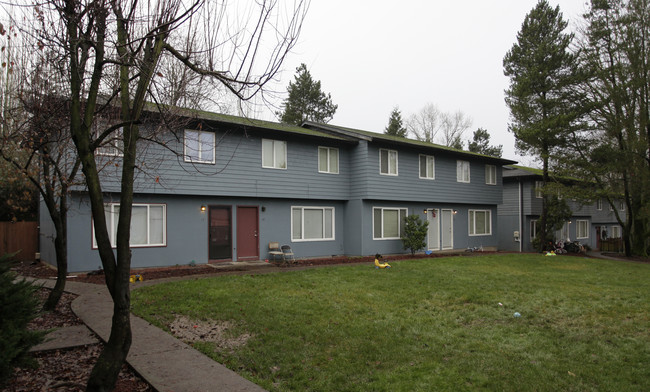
224,187
522,207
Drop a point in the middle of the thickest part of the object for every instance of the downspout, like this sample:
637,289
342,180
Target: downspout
521,219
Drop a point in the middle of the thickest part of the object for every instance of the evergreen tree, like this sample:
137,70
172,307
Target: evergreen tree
539,66
395,124
481,144
306,101
415,233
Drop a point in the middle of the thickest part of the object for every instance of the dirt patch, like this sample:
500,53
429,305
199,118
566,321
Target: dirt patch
219,332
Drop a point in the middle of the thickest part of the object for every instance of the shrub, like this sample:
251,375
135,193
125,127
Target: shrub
415,233
18,306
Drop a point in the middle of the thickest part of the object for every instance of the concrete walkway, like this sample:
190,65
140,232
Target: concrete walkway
165,362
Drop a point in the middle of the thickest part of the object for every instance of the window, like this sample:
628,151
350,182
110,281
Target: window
615,232
312,223
599,204
199,146
490,174
622,206
462,171
274,154
388,162
533,229
480,222
148,224
582,229
427,167
112,145
388,223
539,186
328,160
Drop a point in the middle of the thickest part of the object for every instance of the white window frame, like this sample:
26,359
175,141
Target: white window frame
113,145
539,186
615,231
112,221
276,162
400,229
388,155
622,206
429,167
490,174
328,151
302,210
471,222
533,229
462,168
599,204
210,147
585,223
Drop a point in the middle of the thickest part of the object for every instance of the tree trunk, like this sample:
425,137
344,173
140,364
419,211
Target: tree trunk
60,247
544,215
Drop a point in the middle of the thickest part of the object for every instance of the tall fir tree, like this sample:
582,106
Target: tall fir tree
540,68
480,144
306,101
395,124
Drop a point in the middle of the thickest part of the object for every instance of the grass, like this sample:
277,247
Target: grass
430,324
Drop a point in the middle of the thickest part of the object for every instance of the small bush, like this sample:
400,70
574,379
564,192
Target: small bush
415,233
18,306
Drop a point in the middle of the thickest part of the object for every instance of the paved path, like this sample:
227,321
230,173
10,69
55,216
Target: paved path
165,362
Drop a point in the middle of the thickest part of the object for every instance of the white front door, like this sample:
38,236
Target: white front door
433,236
447,229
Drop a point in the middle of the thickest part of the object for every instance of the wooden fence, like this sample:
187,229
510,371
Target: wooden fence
19,236
612,245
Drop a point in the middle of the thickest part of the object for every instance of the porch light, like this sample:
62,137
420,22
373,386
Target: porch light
425,211
455,212
203,208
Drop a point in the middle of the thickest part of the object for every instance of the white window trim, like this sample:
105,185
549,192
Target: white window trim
399,228
460,171
489,168
302,222
469,217
111,146
599,204
274,157
433,174
622,206
396,162
533,229
586,223
111,226
615,228
186,156
329,164
539,185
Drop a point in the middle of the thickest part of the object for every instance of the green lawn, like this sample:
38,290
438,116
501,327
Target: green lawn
425,325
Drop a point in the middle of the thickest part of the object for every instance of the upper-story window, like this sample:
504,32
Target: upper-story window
112,145
599,204
199,146
622,206
539,186
462,171
328,160
274,154
427,167
490,174
388,162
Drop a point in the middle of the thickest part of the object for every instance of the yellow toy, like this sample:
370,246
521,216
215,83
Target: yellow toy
378,264
135,278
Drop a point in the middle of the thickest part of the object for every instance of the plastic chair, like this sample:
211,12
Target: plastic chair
287,253
275,251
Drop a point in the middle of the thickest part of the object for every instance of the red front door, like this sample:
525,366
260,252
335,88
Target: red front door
247,229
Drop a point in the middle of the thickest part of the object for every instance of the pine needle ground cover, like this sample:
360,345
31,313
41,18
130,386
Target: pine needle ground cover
430,324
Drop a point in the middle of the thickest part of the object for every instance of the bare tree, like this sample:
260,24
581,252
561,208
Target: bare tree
434,126
114,53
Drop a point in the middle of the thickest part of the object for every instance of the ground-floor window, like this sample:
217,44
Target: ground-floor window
312,223
533,229
615,232
480,222
582,229
388,223
148,224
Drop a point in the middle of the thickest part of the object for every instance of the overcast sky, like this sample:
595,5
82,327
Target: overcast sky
373,56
